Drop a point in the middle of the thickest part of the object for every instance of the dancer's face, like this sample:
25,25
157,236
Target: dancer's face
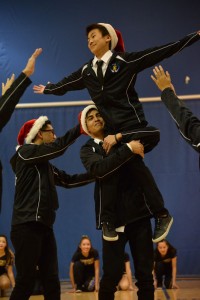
162,248
95,123
85,246
3,243
97,43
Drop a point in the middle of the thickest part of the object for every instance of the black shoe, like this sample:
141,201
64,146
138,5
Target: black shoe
162,227
109,233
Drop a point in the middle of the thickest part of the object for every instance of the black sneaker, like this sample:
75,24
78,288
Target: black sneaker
109,233
162,227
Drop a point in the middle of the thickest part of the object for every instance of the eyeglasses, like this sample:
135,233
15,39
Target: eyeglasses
49,130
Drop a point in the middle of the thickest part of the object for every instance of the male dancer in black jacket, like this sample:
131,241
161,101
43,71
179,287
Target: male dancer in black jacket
11,94
132,216
35,205
110,79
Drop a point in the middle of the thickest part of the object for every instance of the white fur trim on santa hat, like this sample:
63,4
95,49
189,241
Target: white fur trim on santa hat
35,128
83,117
112,33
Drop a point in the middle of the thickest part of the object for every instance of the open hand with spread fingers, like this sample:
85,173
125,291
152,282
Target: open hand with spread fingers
162,79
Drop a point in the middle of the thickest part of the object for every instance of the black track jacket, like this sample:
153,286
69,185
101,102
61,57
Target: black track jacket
187,123
11,97
130,202
117,100
35,194
7,105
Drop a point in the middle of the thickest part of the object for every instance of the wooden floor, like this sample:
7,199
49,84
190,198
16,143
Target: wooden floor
189,289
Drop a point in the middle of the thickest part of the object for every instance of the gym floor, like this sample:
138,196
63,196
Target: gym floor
189,289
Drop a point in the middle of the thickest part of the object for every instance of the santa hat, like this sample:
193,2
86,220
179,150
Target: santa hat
120,45
117,42
30,129
83,117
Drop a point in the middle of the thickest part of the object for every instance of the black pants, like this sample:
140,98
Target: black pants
34,246
140,174
82,276
139,236
38,288
164,271
149,136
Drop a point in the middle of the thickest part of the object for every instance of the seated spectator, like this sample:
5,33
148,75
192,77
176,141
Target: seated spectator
126,283
84,267
7,278
165,265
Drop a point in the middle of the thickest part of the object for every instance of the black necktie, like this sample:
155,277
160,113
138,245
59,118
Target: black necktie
102,151
99,71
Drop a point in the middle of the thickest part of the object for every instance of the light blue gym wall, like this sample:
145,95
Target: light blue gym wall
59,28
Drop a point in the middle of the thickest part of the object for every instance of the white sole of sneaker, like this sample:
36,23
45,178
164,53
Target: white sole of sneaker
110,239
165,234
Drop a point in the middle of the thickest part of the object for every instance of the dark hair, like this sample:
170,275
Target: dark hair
100,27
167,243
85,237
91,109
8,252
47,122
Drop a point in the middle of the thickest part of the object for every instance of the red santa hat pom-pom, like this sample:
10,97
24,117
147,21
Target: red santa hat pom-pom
117,42
120,44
